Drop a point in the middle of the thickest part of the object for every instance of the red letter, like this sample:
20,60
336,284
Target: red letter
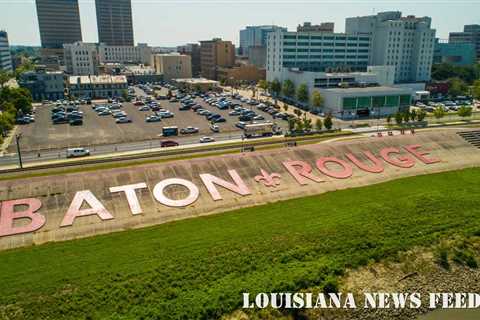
74,211
377,164
300,170
420,154
401,161
345,173
210,180
132,199
8,216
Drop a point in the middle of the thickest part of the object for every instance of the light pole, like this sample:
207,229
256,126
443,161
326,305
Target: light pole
17,140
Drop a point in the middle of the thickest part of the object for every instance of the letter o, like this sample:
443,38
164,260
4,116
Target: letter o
345,173
160,196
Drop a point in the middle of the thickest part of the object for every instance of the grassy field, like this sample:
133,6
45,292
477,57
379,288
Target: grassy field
198,268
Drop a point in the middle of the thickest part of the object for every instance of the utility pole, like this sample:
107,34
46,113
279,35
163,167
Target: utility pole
17,139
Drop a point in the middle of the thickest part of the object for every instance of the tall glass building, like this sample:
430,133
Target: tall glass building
114,22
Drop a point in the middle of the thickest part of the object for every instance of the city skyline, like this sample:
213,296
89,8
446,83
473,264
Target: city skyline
172,23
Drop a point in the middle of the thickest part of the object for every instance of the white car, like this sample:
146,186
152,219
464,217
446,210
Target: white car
206,139
215,128
77,152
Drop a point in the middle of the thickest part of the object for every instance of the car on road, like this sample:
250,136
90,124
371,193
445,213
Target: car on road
123,120
206,139
189,130
153,118
77,152
215,128
168,143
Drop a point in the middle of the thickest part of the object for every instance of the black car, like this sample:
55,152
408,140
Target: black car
184,108
245,118
214,116
218,119
76,122
60,120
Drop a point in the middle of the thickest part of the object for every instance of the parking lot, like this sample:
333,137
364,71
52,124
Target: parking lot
100,130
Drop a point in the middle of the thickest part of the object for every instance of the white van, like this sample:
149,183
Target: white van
77,152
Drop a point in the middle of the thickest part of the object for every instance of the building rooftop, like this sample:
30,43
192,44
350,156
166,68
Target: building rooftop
381,89
102,79
196,81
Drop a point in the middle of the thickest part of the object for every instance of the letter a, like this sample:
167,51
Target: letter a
96,208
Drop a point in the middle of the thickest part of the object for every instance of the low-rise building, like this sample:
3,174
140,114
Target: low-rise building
140,54
215,54
44,85
104,86
242,73
351,103
141,74
172,65
196,84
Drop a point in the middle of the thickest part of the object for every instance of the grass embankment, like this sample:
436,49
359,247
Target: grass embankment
198,268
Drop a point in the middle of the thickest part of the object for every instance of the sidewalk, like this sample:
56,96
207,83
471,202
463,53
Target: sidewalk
7,141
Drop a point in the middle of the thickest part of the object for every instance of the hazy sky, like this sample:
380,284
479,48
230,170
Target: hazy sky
175,22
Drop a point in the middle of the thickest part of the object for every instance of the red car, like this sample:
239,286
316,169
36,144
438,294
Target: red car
169,143
138,103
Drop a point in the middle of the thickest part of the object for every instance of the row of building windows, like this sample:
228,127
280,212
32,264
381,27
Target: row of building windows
326,44
311,37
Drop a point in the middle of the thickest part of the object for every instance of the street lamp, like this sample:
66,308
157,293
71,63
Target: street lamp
17,140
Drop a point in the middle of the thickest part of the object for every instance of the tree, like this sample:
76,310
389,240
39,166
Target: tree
446,71
457,87
263,84
285,107
317,99
413,115
125,95
307,123
421,114
406,116
302,93
398,118
299,125
476,89
291,124
465,111
4,77
327,122
389,119
439,112
288,88
275,87
318,124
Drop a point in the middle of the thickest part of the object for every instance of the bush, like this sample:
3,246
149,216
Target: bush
442,258
330,285
465,257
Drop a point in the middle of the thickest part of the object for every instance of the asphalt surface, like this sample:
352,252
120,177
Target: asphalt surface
43,141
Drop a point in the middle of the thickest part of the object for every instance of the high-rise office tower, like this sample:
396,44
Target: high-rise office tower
5,57
470,34
114,22
59,22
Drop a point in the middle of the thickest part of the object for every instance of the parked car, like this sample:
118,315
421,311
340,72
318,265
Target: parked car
76,122
123,120
77,152
206,139
153,118
189,130
215,128
219,119
144,108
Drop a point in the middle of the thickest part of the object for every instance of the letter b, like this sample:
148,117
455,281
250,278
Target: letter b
8,216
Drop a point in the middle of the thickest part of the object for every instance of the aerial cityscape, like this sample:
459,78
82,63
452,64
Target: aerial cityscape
326,171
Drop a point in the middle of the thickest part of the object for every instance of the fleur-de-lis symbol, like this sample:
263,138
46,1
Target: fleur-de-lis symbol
268,180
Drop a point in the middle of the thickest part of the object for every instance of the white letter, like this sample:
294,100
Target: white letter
96,208
132,199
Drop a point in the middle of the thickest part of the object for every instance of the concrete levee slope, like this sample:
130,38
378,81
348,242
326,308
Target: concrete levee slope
249,185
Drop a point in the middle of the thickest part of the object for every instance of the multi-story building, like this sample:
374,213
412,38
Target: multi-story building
172,66
44,85
81,58
104,86
114,22
459,54
254,36
193,50
59,22
470,34
5,56
214,54
316,52
257,56
141,54
404,42
323,27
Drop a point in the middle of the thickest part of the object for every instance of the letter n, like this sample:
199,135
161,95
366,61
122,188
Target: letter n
96,208
8,216
210,180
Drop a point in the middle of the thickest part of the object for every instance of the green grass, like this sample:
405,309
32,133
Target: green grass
198,268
